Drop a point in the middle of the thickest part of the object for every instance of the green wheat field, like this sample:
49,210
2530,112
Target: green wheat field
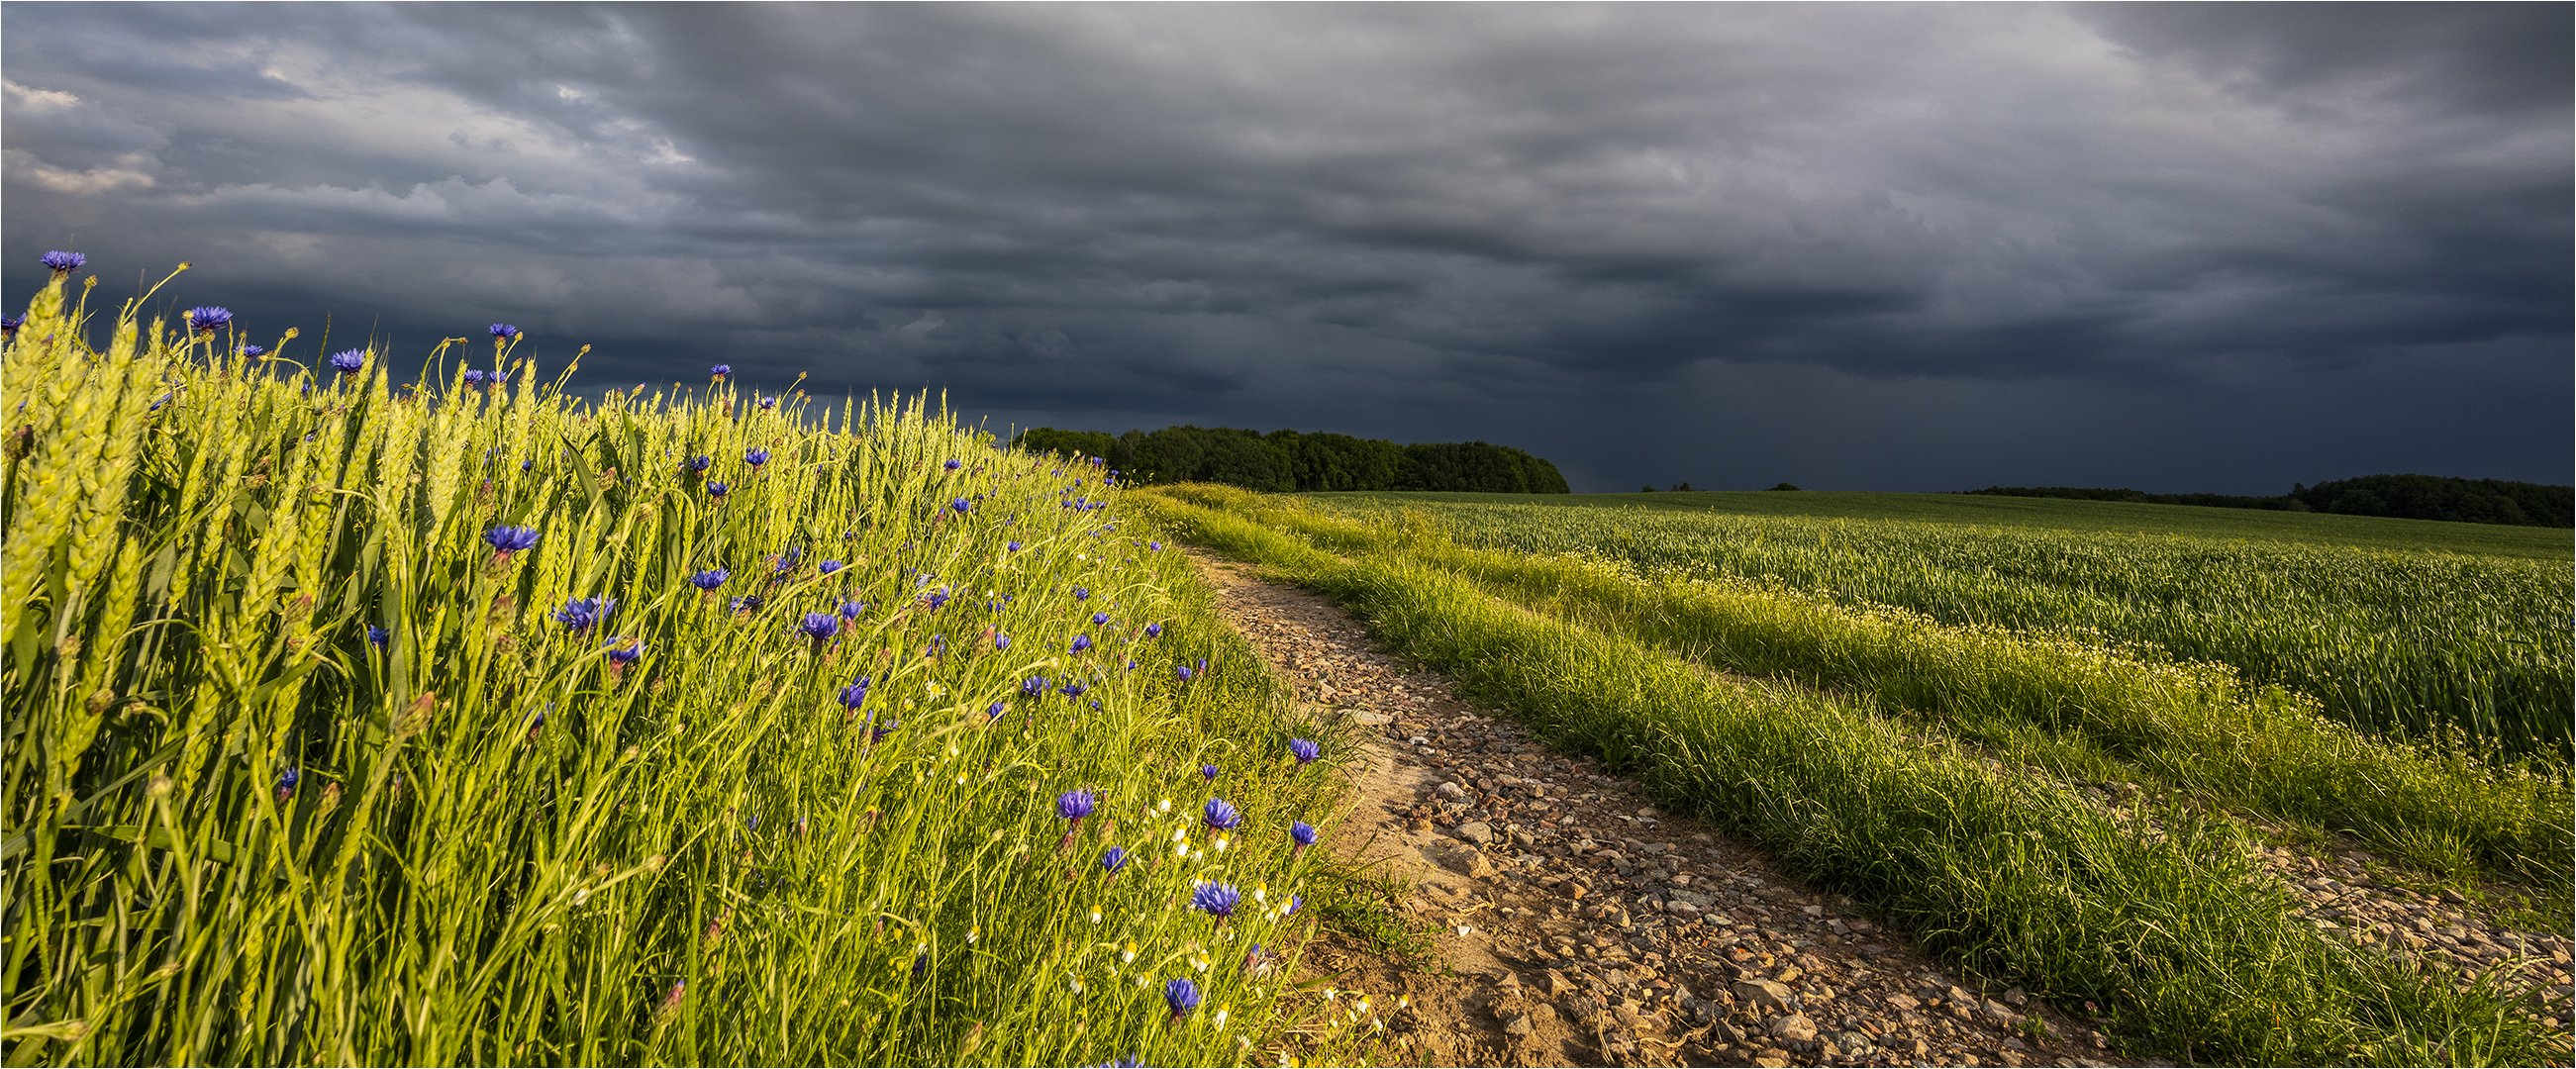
368,708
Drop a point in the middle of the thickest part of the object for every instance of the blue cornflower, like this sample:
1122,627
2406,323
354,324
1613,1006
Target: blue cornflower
954,464
1301,833
1113,859
64,263
855,695
879,732
1208,772
936,599
475,376
1153,630
1001,642
820,625
286,782
206,319
1033,686
583,614
1081,594
1294,901
1099,619
1075,805
1080,643
720,370
827,567
377,636
767,403
698,464
755,457
1072,689
961,504
254,350
994,711
1304,750
1015,546
850,610
1185,673
746,603
1221,815
1182,996
349,361
507,540
624,651
1216,900
1155,546
9,328
709,579
937,646
504,332
717,490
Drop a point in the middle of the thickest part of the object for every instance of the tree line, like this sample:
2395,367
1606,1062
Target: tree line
1284,461
2413,497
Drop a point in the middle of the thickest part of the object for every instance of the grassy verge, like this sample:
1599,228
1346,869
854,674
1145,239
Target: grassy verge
2261,749
302,768
2188,952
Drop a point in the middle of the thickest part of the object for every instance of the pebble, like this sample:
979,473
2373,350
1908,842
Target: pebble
1644,936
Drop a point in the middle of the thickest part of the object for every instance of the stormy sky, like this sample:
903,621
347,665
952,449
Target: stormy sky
2205,247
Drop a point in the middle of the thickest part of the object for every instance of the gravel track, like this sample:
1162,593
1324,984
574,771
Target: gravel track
1577,924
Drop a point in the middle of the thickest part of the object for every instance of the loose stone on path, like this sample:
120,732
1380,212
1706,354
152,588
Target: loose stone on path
1578,923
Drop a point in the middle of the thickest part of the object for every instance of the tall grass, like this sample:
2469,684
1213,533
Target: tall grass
2406,642
2189,951
301,769
2197,726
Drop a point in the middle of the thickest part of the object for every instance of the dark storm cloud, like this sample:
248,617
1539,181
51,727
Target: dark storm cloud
1584,230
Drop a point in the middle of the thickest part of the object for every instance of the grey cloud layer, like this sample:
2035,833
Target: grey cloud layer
1531,223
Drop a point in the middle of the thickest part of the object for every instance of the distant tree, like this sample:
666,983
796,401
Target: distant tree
1645,489
1294,460
2421,497
1681,488
1786,486
1065,443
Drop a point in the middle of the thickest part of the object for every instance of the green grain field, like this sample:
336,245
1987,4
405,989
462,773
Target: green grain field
1937,768
2403,626
361,722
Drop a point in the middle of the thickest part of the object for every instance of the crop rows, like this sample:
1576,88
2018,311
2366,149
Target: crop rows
2095,712
466,722
2415,643
2159,918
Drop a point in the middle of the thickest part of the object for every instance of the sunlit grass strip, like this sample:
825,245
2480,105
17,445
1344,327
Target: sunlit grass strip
308,762
2197,726
2188,951
2399,641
